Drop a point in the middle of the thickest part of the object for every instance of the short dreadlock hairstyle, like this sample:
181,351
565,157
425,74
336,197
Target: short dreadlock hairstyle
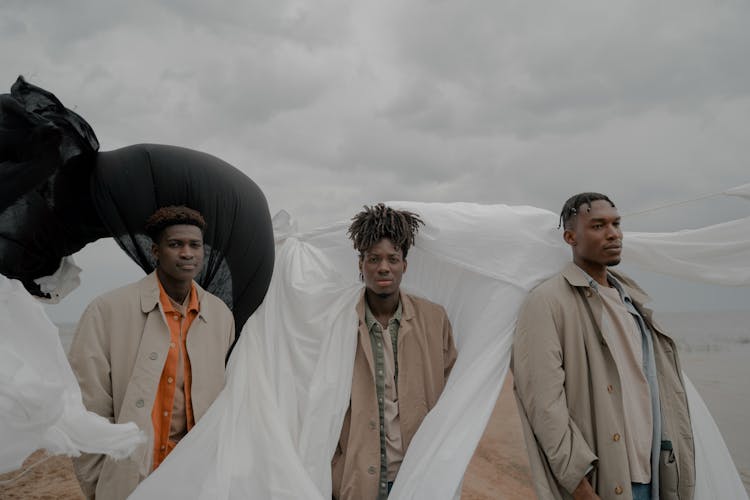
379,221
571,207
172,216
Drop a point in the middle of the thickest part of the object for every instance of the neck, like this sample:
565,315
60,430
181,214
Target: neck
177,290
382,307
596,271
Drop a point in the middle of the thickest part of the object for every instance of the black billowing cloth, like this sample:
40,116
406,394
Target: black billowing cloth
130,183
57,193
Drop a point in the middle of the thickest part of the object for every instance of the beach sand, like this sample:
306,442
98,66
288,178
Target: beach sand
715,354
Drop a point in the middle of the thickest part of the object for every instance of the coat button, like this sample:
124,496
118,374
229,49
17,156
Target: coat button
615,437
153,356
371,469
588,293
139,403
618,490
372,425
610,389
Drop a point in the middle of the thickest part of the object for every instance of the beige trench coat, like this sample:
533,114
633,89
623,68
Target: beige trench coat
118,354
426,354
568,392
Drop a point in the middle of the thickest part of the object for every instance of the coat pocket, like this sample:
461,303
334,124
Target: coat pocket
668,474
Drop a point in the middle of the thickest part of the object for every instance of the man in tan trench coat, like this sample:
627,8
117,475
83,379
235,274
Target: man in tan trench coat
152,353
597,381
404,354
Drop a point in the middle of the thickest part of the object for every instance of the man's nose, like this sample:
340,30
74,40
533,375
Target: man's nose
383,266
613,232
187,252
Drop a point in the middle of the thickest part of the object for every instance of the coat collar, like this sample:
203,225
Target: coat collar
148,289
576,277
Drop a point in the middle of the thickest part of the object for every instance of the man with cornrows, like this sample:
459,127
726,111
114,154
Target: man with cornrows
152,353
598,382
405,352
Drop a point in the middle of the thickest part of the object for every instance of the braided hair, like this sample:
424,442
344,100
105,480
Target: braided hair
379,221
172,216
574,203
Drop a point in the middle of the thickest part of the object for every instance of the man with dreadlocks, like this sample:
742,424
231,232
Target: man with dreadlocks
598,382
404,354
152,353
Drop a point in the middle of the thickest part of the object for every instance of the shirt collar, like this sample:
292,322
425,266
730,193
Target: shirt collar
166,303
370,320
612,281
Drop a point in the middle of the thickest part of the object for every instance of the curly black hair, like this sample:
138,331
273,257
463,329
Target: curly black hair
379,221
172,216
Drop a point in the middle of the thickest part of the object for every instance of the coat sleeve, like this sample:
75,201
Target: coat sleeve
89,358
540,384
449,348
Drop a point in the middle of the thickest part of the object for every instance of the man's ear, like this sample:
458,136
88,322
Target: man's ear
404,265
570,237
155,251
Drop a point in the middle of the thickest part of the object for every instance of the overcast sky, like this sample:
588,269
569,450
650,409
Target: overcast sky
329,104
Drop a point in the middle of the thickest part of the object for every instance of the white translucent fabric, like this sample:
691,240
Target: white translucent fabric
272,431
742,191
40,402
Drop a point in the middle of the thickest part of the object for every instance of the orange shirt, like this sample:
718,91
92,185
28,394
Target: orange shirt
176,378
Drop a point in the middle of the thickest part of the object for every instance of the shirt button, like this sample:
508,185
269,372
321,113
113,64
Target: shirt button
176,317
371,469
139,403
172,344
616,437
163,447
380,345
380,372
610,388
153,356
618,490
166,413
170,380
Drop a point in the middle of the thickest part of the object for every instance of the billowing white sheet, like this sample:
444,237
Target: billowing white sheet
273,429
40,402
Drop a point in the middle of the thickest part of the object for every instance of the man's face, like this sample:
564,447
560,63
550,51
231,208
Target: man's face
382,267
180,252
596,237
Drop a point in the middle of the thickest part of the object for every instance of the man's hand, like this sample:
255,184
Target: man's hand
584,491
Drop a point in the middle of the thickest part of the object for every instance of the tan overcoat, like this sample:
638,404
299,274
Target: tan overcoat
569,396
118,354
426,354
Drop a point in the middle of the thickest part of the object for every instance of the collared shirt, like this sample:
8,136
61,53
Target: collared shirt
385,354
172,413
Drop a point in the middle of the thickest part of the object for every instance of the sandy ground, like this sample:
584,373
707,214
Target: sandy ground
51,479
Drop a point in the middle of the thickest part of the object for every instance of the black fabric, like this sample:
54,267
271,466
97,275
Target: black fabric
46,156
57,193
129,184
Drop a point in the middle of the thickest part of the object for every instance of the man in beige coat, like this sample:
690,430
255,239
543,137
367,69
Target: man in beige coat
597,381
404,354
152,353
